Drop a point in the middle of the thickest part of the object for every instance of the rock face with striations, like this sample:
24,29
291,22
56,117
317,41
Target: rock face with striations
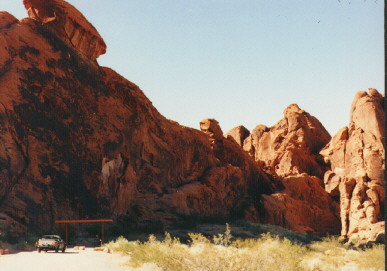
290,151
79,141
69,24
356,157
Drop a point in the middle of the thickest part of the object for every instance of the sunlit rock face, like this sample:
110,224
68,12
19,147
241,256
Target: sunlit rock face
239,134
291,146
301,204
69,24
79,141
289,151
356,156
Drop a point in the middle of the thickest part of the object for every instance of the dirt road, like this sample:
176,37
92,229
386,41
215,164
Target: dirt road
74,260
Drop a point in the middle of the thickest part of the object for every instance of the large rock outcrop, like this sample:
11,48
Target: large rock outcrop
290,147
69,24
79,141
290,151
356,157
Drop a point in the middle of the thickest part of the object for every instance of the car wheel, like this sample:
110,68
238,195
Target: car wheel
57,249
63,249
39,249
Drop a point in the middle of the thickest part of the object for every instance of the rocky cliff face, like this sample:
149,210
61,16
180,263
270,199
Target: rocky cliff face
290,151
79,141
294,149
356,157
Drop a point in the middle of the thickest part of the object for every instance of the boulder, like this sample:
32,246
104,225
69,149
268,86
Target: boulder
239,134
211,128
69,24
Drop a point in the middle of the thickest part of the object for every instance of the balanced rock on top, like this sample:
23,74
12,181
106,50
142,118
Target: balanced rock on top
69,24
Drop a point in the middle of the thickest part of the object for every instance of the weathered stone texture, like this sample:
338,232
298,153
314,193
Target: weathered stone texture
289,151
291,146
69,24
80,141
239,134
356,157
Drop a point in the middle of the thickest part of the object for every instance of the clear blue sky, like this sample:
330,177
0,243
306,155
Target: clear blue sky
242,61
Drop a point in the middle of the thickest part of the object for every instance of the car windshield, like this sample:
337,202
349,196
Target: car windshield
54,237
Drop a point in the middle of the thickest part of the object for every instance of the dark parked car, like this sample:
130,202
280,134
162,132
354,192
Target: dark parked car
50,242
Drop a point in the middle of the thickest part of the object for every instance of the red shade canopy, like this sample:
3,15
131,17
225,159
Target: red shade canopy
83,221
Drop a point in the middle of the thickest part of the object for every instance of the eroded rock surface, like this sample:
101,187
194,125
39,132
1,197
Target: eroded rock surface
239,134
79,141
290,151
291,146
356,157
302,205
69,24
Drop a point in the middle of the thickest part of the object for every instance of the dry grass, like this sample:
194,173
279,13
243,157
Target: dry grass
222,253
330,254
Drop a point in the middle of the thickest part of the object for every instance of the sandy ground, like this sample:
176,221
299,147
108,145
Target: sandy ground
74,260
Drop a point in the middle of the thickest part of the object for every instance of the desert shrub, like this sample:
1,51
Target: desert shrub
269,252
223,239
197,238
331,254
168,254
121,245
373,258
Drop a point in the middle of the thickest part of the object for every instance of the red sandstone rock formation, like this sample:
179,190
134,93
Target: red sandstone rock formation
239,134
291,146
211,128
302,205
79,141
69,24
356,156
289,150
